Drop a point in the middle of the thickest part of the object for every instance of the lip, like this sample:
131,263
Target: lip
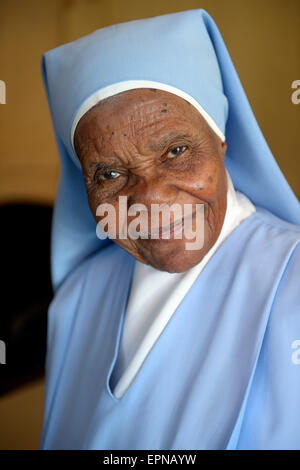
174,227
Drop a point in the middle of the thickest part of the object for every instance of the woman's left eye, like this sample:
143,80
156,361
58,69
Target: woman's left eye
175,151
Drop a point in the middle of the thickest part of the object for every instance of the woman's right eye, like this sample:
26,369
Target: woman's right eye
106,176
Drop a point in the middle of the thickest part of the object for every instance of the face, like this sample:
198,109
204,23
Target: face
155,148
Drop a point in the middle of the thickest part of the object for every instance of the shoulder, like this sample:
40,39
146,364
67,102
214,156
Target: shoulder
274,394
94,274
273,223
283,237
101,263
268,219
286,306
272,237
265,242
284,323
265,251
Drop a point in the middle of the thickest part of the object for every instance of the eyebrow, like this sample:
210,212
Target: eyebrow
167,140
104,166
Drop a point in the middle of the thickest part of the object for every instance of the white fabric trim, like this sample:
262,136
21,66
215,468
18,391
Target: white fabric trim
145,320
111,90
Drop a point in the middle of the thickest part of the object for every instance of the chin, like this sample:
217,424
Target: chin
174,262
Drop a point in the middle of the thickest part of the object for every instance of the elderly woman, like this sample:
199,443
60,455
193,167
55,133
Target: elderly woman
186,336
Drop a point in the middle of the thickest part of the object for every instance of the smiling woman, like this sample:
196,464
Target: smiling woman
177,348
156,158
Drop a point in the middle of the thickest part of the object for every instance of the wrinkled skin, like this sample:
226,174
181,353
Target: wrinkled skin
156,148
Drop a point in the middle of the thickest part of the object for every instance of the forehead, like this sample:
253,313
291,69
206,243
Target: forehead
141,109
140,98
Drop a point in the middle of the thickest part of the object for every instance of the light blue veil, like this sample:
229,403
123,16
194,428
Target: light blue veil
184,50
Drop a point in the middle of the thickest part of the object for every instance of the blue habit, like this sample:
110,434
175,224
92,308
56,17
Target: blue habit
220,376
225,372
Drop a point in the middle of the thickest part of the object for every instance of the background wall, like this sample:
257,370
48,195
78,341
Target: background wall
264,42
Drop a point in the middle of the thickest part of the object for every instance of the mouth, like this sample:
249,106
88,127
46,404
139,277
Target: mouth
173,229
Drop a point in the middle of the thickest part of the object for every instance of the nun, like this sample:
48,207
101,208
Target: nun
153,345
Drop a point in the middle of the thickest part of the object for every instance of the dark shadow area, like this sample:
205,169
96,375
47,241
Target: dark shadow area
26,291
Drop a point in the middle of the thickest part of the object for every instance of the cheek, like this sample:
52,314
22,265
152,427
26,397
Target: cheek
98,197
98,204
106,217
207,179
93,202
110,216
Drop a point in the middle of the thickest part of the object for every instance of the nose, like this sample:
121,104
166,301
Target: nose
152,191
